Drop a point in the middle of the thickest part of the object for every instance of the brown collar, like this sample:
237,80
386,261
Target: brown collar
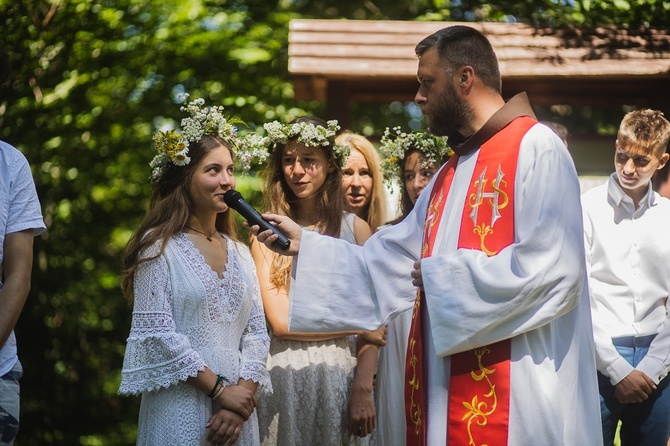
514,108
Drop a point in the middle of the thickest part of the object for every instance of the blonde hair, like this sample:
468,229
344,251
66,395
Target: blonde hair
375,212
645,129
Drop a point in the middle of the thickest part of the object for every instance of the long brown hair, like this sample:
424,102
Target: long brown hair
375,211
406,204
169,209
280,199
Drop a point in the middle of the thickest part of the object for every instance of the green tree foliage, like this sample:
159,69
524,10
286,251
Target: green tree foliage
92,80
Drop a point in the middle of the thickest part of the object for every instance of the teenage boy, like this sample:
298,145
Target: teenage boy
628,260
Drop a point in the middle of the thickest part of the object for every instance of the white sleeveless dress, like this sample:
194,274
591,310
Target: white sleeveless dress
311,383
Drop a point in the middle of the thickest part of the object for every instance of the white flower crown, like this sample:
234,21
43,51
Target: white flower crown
395,144
172,147
310,134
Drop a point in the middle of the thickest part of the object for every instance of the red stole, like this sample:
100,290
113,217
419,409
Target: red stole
479,387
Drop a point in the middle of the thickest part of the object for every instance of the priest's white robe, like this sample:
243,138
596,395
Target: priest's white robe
533,291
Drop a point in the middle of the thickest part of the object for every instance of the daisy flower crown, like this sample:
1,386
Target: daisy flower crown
310,135
172,146
395,144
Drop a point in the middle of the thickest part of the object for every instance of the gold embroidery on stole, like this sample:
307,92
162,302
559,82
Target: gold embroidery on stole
478,410
415,410
494,198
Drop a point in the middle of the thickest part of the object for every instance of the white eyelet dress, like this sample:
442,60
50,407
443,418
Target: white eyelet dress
185,318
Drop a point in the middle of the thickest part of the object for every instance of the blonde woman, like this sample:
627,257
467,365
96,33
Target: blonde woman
362,180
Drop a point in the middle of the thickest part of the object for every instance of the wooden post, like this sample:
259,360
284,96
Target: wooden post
337,105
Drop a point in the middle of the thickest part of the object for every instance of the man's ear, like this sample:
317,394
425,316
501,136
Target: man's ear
663,160
466,78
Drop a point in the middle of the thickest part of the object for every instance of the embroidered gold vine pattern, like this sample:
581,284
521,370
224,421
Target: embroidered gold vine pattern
415,409
482,231
478,410
416,416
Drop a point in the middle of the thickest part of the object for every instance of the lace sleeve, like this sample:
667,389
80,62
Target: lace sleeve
255,342
156,355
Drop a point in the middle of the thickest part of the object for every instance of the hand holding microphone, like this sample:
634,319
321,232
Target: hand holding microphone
234,200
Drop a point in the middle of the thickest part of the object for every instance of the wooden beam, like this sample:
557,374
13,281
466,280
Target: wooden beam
597,92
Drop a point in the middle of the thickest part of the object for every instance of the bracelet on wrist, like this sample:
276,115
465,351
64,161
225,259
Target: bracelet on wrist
214,389
221,382
222,379
218,393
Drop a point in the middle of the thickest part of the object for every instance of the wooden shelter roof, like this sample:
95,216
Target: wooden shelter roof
374,61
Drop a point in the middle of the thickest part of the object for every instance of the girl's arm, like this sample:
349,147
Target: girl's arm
362,415
226,424
248,384
238,398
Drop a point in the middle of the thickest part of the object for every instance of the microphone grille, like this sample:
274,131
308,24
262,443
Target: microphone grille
231,197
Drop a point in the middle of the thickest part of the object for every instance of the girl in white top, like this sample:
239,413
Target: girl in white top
198,342
412,158
312,373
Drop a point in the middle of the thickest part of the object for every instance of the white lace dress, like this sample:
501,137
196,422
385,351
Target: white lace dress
311,384
186,318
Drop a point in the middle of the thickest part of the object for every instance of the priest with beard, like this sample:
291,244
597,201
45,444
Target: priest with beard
491,259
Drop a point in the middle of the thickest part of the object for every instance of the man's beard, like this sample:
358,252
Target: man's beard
449,114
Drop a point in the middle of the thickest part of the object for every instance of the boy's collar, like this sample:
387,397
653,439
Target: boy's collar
616,192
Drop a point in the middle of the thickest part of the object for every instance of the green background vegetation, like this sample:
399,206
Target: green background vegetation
91,82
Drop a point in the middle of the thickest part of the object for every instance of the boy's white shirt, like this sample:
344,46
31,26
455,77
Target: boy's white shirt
628,252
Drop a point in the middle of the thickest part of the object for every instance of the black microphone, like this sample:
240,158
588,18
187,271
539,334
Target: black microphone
234,200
